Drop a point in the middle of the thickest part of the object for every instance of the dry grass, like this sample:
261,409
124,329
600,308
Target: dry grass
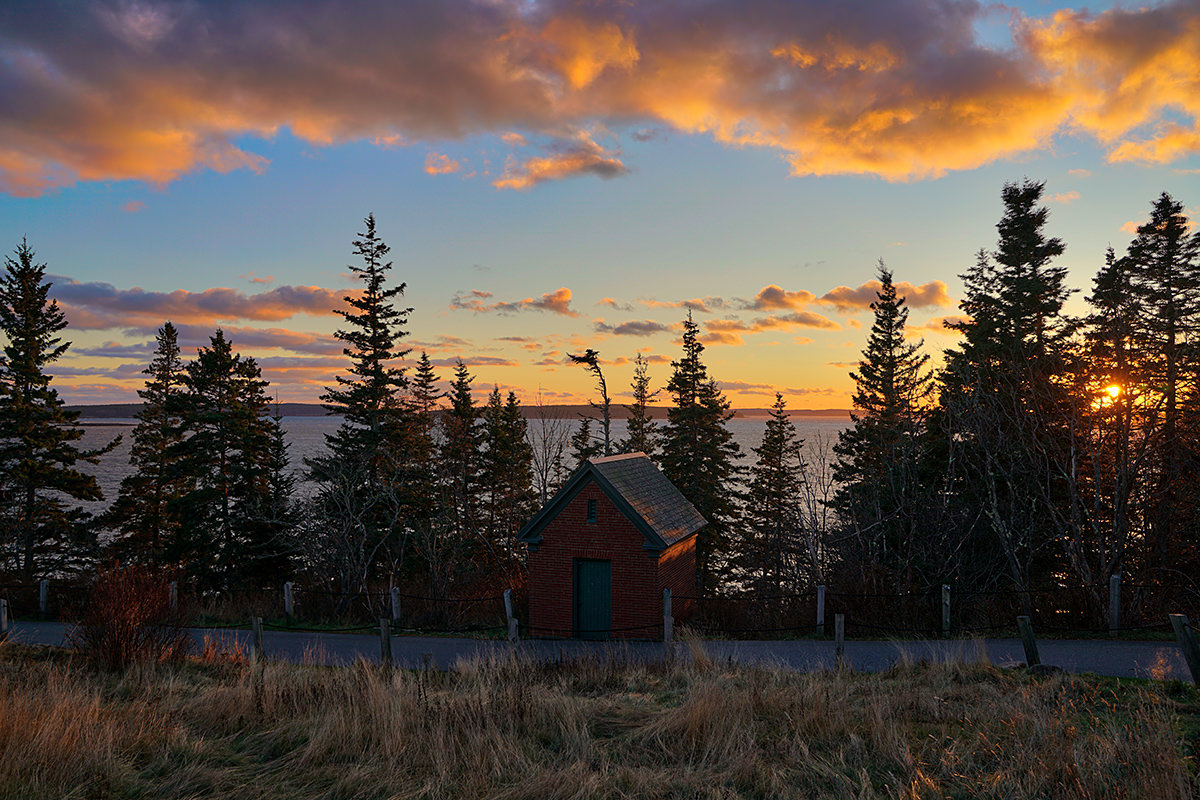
508,728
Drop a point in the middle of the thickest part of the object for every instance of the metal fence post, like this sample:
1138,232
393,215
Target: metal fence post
1028,640
396,606
508,613
1114,604
1187,643
288,607
945,611
44,597
821,610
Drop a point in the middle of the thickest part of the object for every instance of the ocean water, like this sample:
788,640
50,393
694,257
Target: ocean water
306,438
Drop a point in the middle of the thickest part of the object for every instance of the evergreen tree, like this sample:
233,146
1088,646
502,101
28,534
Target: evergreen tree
700,456
370,479
231,532
769,559
878,457
1163,262
38,455
1004,406
369,400
506,477
591,359
642,432
141,513
460,456
583,445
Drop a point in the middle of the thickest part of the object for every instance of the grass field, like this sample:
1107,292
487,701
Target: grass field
214,727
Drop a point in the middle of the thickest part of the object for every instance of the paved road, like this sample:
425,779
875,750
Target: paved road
1116,658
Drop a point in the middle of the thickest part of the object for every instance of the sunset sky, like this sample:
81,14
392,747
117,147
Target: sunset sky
554,176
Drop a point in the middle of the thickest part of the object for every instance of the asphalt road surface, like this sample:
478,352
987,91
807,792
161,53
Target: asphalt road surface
1127,659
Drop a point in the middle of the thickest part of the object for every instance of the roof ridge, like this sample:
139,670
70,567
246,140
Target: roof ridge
620,457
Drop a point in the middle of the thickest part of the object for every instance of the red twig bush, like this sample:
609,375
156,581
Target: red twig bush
129,619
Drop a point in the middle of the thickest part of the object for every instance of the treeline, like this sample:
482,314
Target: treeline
1047,450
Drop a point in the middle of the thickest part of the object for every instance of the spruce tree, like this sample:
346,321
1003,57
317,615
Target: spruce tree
879,455
769,558
583,444
642,433
1003,406
459,456
231,532
1163,265
38,454
141,513
506,477
700,456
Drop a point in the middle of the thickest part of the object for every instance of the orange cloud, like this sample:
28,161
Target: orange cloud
845,299
902,89
558,302
775,297
582,156
439,164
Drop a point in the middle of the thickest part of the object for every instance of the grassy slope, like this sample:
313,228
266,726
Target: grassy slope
518,730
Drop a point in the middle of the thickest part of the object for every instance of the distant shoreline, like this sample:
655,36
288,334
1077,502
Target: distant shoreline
129,410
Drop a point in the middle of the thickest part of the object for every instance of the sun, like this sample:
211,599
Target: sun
1113,391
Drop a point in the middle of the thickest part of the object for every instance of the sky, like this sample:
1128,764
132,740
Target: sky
553,176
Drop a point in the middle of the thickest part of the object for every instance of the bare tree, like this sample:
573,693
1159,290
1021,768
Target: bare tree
549,435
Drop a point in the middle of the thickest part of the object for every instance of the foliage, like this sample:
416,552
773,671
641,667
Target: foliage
233,522
642,433
38,455
700,457
129,619
879,456
143,514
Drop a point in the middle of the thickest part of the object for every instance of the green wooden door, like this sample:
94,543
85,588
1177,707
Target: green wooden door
593,599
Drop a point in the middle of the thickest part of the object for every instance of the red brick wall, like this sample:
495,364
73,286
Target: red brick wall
677,571
636,591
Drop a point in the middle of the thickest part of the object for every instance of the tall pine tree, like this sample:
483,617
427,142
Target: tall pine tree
38,454
700,456
771,558
141,514
642,433
878,467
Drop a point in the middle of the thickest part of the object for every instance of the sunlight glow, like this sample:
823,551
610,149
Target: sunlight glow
1113,391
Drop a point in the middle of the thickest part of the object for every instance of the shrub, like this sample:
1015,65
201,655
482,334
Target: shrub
129,619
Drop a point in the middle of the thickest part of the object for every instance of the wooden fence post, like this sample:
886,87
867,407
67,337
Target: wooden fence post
821,610
839,640
385,642
258,650
396,606
3,619
1187,643
44,597
1114,604
173,596
668,619
508,614
288,606
1030,643
945,611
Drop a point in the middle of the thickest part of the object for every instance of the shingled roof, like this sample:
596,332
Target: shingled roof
638,489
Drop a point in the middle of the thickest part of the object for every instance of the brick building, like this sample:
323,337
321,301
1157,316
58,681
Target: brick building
604,548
